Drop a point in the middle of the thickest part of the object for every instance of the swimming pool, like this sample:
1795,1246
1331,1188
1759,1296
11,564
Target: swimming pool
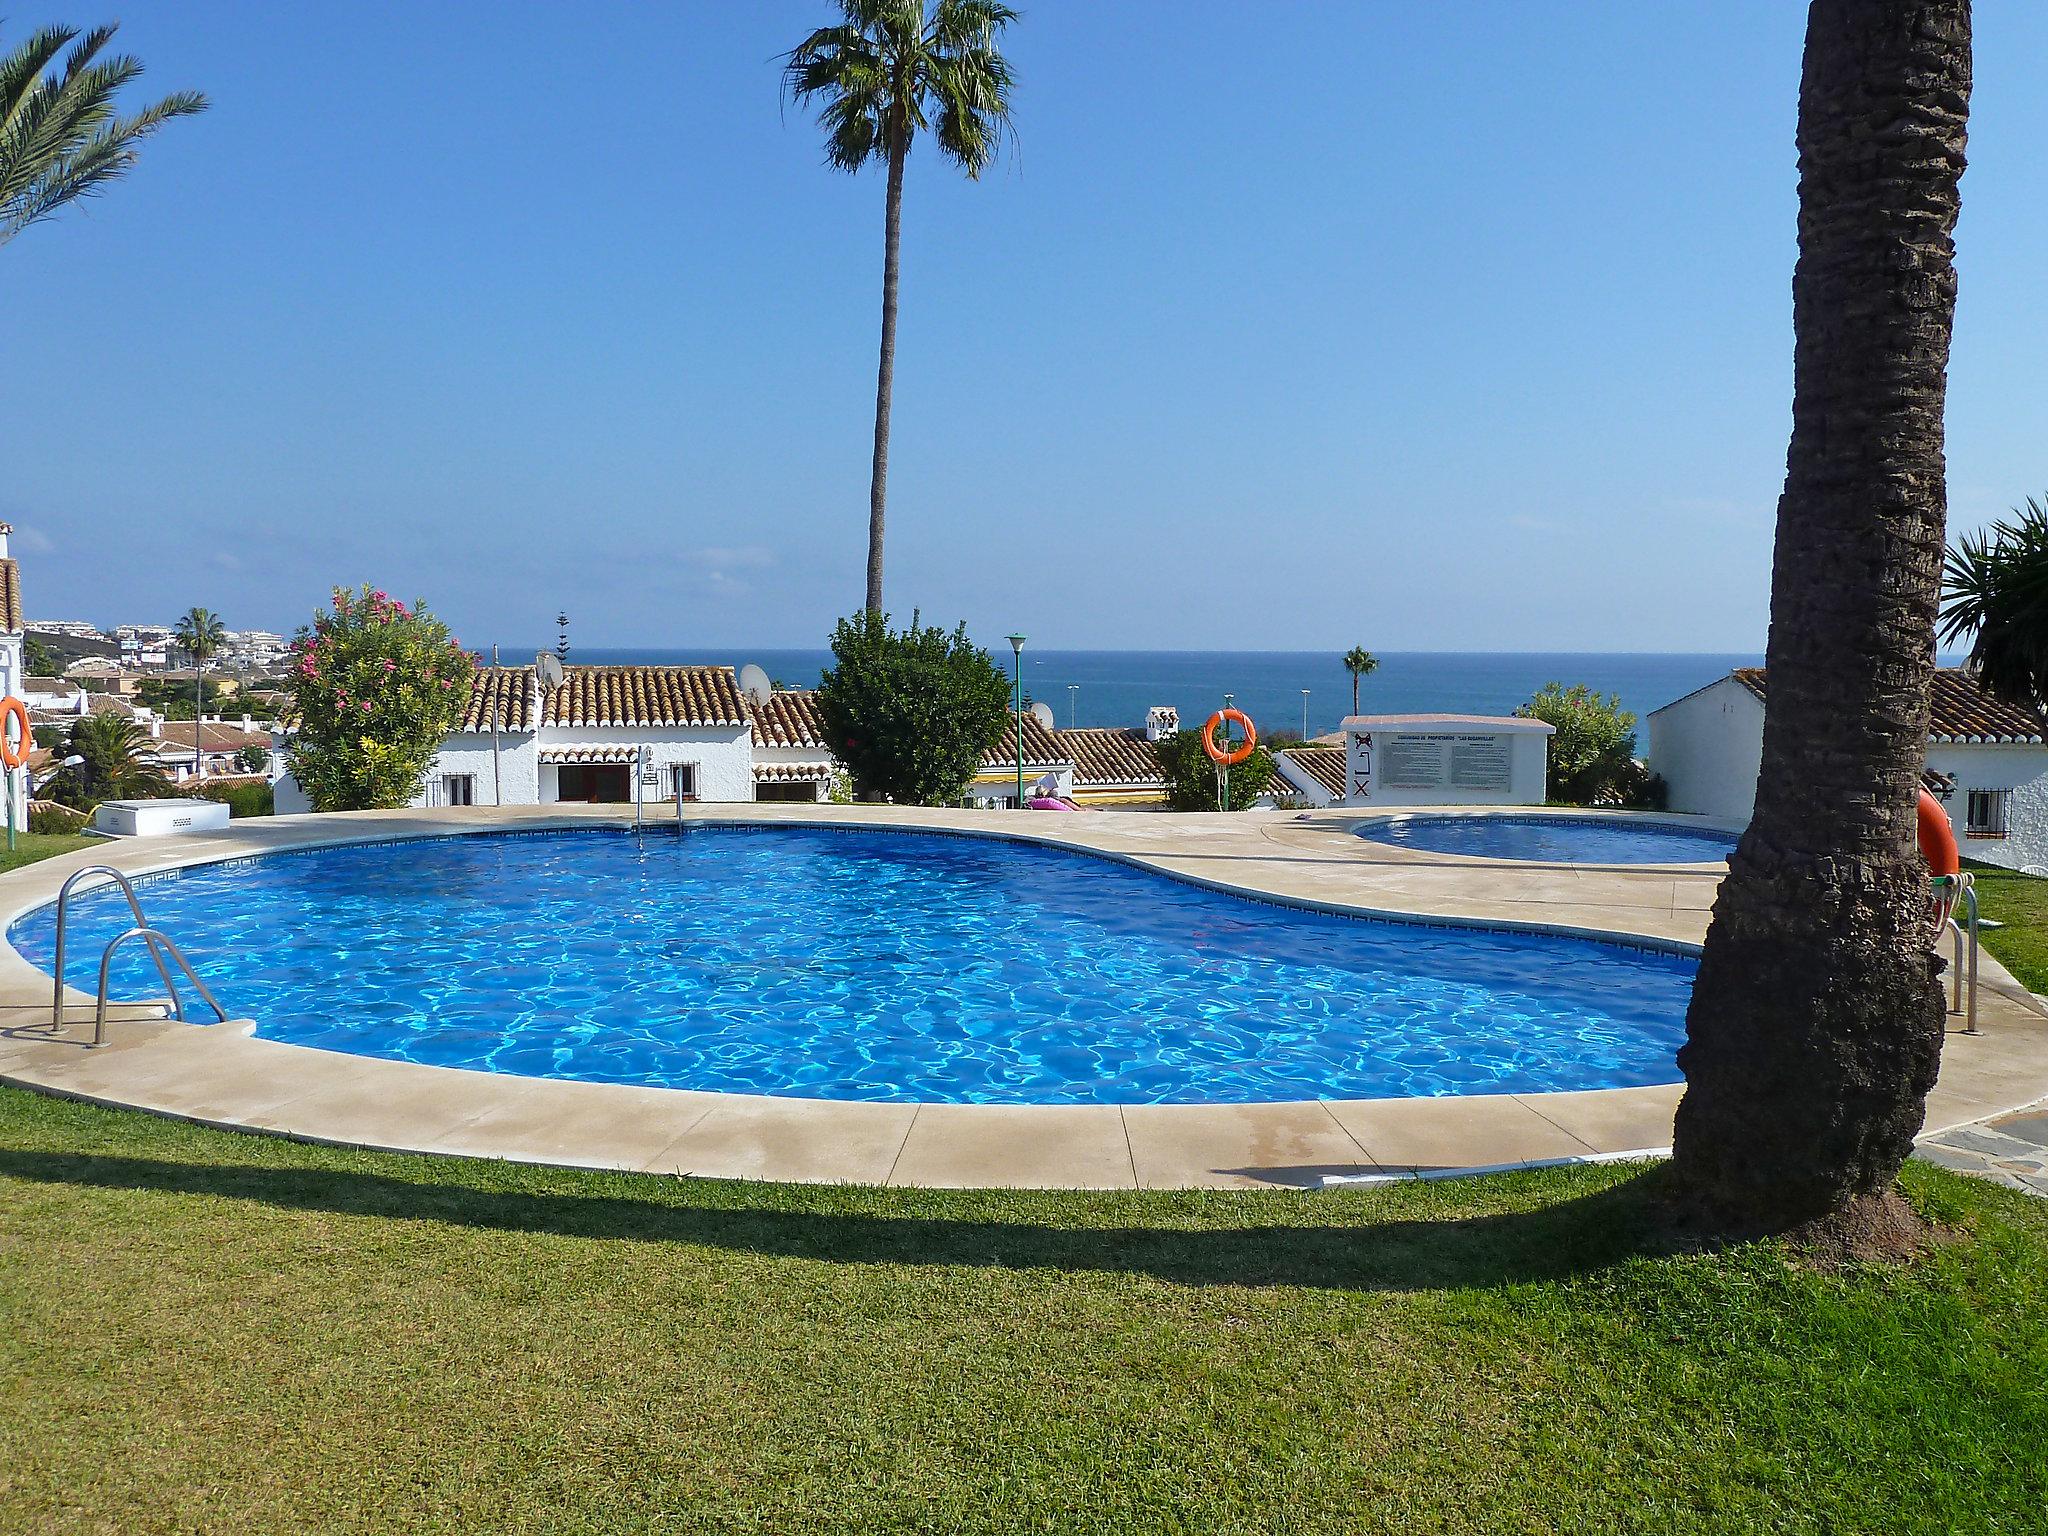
836,963
1555,839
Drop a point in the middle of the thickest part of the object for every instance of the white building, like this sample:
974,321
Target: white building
1091,765
1311,772
1987,760
1445,760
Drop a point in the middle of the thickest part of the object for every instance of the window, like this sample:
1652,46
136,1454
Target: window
458,789
685,781
1989,809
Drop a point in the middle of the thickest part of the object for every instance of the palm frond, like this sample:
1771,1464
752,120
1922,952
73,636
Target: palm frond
1997,594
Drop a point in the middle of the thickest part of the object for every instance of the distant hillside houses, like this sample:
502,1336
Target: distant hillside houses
667,734
1987,760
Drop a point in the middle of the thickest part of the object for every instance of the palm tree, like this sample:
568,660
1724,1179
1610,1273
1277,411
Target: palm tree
1998,595
117,765
201,634
1816,1023
60,138
1360,663
889,70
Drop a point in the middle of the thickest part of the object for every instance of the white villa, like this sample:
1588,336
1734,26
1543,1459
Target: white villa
693,733
1986,760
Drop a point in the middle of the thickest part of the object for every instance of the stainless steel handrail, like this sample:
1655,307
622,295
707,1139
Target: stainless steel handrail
134,906
1966,894
154,938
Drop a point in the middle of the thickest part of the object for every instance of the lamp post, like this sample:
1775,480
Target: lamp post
1304,714
1073,705
1017,706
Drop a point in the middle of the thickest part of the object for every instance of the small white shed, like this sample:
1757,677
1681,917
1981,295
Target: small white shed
1445,760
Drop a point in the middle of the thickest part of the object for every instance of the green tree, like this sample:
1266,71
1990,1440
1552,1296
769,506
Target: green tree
120,763
1998,596
888,71
1592,757
1816,1021
910,712
376,687
38,660
200,634
1191,774
1361,664
60,136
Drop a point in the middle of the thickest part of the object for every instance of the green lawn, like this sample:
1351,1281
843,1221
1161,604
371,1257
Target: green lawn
34,847
209,1332
2021,903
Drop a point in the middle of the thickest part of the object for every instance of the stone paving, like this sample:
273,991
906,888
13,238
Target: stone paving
2009,1149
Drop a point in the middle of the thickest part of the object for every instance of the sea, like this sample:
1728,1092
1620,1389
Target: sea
1093,688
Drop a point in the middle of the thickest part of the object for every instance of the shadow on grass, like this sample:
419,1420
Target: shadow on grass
1567,1237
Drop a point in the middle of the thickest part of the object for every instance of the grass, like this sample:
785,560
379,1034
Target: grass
2021,903
34,847
214,1332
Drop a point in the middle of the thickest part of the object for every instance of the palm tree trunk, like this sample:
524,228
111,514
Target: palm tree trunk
885,373
198,707
1354,693
1816,1024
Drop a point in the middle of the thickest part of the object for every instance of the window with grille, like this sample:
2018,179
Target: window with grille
458,789
1988,813
686,781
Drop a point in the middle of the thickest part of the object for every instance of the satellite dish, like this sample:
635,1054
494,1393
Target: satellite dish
548,667
1042,713
755,685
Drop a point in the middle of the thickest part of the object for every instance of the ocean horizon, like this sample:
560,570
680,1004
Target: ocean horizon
1116,688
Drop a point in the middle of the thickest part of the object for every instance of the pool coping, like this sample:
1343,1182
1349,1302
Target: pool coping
223,1076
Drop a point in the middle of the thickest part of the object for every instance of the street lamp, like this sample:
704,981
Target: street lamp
1073,705
1017,706
1304,714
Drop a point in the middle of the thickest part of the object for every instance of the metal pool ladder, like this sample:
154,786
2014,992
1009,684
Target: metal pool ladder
1964,931
159,944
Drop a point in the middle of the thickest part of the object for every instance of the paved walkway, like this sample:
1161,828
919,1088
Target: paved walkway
2010,1149
227,1076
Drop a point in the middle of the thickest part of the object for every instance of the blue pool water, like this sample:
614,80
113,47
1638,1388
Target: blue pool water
845,964
1554,839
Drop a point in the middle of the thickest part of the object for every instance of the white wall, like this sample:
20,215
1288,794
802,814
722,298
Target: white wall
1708,746
2021,769
1300,783
1526,744
518,763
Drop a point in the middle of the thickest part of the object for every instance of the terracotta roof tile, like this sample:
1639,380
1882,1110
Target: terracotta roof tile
1041,746
1961,710
794,773
500,698
789,719
10,597
603,696
1325,765
1111,755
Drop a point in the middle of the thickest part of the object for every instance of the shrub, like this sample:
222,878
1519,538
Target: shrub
53,820
252,759
910,712
242,797
1191,776
1592,756
376,687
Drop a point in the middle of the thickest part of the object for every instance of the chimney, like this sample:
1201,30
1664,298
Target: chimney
1161,721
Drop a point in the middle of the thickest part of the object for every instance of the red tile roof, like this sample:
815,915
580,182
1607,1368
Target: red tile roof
605,696
789,719
1111,756
1962,711
500,698
1041,746
1324,765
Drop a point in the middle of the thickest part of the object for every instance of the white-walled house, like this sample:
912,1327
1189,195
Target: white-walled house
1986,760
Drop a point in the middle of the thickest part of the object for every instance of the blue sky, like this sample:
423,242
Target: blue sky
1428,327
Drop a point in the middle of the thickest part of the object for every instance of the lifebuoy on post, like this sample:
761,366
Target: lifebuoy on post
1937,837
16,746
1216,754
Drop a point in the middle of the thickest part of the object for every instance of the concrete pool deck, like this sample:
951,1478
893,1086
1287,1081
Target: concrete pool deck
224,1076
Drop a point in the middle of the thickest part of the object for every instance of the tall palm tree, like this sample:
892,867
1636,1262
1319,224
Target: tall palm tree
60,136
117,765
888,71
1816,1022
1998,595
1360,663
200,634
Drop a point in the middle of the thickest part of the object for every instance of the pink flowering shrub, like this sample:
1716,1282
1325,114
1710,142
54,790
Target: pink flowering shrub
377,686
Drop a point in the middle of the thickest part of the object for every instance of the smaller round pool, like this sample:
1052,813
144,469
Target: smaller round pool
1555,839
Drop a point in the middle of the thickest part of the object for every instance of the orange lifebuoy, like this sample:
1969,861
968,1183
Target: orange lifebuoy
1937,837
14,750
1216,753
